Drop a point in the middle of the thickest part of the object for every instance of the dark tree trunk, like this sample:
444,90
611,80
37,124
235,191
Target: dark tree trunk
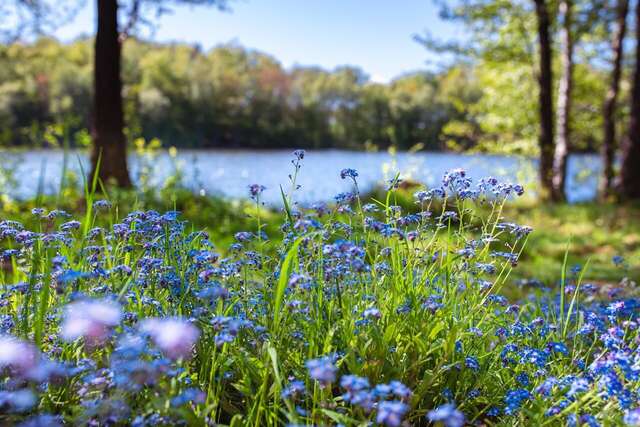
609,110
563,129
545,98
109,144
629,179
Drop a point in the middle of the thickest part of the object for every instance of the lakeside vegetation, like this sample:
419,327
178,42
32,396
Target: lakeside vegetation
234,96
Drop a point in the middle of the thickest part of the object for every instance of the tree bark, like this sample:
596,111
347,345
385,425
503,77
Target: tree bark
629,179
565,87
545,98
109,151
609,110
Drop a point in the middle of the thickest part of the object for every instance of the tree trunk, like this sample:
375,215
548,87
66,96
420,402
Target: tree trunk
609,140
563,129
629,179
545,99
109,153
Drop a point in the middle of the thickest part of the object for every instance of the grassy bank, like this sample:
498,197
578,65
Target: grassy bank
594,232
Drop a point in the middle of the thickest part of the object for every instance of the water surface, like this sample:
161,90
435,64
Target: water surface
230,172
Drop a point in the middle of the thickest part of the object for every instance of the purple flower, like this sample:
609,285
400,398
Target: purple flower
547,386
44,420
558,347
391,413
189,395
101,205
256,189
472,363
514,400
348,173
17,355
295,388
174,336
494,411
632,417
92,320
400,390
617,260
71,225
447,414
243,236
589,420
362,398
322,370
222,338
372,312
354,382
523,378
580,385
18,400
299,154
475,331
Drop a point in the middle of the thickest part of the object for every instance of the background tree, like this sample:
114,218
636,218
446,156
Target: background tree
545,97
108,155
511,49
20,17
231,96
629,179
565,87
578,19
28,18
109,149
501,31
610,104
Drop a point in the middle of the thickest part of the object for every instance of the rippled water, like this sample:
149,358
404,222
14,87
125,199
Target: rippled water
229,172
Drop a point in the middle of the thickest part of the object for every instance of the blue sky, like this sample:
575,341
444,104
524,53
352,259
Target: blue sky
373,34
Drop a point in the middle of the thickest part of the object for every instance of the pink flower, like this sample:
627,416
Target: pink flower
92,320
175,337
17,355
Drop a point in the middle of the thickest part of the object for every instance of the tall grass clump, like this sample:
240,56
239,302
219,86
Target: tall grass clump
360,314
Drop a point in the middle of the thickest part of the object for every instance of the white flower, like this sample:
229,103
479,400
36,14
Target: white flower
175,337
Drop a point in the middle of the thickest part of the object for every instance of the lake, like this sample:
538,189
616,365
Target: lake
229,172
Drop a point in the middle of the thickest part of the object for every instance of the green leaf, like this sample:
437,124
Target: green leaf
287,209
283,280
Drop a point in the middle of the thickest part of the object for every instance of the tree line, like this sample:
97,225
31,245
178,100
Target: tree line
232,96
229,96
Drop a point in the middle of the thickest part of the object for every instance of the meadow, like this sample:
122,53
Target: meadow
459,304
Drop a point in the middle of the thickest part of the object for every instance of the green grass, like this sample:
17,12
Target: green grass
595,232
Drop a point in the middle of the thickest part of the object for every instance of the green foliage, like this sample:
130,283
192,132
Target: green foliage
229,96
501,50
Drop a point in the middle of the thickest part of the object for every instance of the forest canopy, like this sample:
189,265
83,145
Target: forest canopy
234,97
